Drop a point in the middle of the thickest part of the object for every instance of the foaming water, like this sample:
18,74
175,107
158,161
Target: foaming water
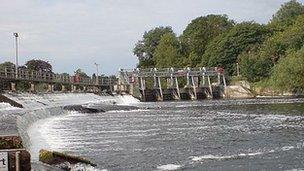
213,135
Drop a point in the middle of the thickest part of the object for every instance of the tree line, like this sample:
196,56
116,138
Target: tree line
272,53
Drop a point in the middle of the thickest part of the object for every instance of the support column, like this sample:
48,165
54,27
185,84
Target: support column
73,88
194,88
131,89
177,88
32,89
188,80
63,88
13,86
169,83
224,81
160,88
210,86
50,88
142,85
218,79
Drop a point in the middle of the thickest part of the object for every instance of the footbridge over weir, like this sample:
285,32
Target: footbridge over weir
159,84
10,78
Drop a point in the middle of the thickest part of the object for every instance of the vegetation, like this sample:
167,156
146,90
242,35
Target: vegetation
81,73
287,15
38,65
226,48
200,32
145,48
269,55
167,53
55,158
288,73
7,65
10,142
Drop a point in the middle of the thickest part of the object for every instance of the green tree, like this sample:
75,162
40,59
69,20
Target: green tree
292,38
201,31
81,73
253,67
224,50
167,52
288,74
287,14
144,49
7,65
39,65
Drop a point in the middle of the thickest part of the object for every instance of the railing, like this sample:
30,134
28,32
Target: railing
171,72
50,77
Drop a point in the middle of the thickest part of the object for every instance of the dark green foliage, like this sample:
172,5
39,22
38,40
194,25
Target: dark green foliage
288,74
144,49
254,68
167,53
292,38
224,50
7,65
200,32
81,73
39,65
287,15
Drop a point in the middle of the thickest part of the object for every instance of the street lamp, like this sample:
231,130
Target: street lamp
16,41
97,79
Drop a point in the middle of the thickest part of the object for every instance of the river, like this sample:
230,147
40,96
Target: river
253,134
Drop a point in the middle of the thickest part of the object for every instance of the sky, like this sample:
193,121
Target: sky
73,34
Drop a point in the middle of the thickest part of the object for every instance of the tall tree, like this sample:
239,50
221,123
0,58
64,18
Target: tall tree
167,52
201,31
224,50
287,14
292,38
39,65
7,65
288,74
145,48
81,73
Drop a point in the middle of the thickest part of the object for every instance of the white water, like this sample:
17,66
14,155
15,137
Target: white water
168,167
42,110
39,109
6,107
45,125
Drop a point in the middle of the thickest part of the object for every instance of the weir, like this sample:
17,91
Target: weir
25,122
173,83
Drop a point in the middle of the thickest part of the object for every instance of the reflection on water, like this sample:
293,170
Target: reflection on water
208,135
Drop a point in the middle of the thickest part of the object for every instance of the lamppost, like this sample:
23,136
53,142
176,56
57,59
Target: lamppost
16,41
97,79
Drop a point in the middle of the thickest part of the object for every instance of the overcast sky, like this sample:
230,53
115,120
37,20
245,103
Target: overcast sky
73,34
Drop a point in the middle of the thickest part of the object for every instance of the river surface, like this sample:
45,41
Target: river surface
264,134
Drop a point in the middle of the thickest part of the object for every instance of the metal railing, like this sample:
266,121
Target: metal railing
171,72
50,77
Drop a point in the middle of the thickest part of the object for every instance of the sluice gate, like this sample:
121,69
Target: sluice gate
155,84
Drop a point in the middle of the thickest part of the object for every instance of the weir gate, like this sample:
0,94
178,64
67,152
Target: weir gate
155,84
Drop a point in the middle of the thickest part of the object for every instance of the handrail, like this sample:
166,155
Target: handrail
50,77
